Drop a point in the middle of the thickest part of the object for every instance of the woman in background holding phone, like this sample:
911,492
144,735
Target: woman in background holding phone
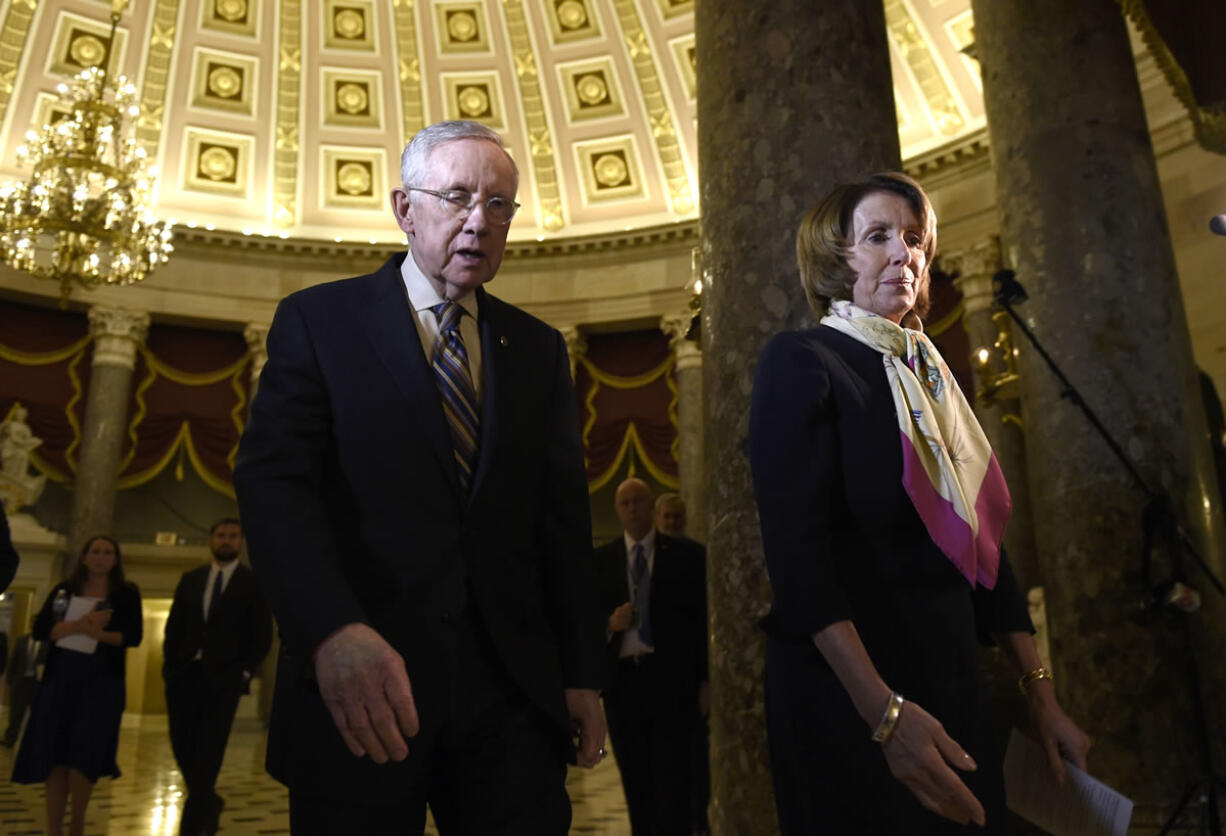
73,733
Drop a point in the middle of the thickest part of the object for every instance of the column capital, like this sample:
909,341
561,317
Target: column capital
117,332
576,341
676,326
256,335
975,265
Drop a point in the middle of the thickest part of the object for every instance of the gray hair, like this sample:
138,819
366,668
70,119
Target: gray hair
415,160
666,499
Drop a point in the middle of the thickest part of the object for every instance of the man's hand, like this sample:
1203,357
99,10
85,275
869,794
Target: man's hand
622,618
587,720
366,688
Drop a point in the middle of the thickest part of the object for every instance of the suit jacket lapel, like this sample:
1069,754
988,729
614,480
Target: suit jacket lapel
394,336
495,378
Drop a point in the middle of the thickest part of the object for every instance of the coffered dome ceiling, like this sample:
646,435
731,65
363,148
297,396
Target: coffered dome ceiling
287,117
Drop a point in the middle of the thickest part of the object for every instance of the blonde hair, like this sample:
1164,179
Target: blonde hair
825,232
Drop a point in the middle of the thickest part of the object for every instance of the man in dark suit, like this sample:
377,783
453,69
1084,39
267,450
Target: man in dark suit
653,587
217,634
671,519
22,678
413,489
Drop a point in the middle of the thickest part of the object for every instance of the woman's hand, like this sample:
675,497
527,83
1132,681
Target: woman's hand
920,754
1059,736
92,624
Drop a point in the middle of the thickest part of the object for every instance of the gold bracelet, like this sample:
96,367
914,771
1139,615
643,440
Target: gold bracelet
889,719
1036,674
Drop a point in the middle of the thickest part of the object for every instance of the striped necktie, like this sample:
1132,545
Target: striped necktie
455,386
640,578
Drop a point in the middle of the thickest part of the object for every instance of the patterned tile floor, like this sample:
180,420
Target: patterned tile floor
148,799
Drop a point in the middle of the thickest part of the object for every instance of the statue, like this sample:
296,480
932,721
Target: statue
18,487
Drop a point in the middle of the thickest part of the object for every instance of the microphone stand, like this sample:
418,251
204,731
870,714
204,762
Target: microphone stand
1160,525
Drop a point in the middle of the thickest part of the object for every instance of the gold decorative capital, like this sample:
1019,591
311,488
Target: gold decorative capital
117,332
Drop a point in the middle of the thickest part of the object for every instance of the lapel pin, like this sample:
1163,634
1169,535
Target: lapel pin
504,342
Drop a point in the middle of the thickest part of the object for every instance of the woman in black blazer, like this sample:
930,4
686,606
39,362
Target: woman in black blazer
73,732
882,511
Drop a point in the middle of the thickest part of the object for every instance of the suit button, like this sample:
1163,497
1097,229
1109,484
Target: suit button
446,617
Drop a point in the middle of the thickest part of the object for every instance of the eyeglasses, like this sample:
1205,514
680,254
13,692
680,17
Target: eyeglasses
459,203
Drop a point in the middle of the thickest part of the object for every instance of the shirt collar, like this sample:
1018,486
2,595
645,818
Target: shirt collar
226,569
648,541
422,294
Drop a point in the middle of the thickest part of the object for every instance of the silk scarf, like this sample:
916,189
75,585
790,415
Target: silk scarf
949,469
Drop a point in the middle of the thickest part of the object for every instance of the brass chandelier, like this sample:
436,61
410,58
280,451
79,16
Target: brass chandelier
84,217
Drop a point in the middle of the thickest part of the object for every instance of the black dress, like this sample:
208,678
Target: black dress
843,542
76,714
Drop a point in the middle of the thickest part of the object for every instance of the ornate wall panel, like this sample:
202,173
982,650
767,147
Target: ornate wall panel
224,81
233,17
672,8
349,24
287,147
13,37
353,178
408,66
571,20
461,28
160,49
686,57
611,169
218,163
592,90
476,96
80,43
663,127
550,213
352,98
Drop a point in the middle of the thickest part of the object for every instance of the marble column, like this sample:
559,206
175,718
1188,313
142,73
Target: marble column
576,345
117,334
999,412
793,98
1082,220
691,471
256,335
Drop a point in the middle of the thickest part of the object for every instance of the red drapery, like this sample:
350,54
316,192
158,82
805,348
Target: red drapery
44,366
188,401
627,392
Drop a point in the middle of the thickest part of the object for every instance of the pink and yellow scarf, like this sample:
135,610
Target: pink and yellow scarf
949,470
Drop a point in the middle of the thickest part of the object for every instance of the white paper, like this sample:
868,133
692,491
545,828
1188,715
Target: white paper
79,605
1084,806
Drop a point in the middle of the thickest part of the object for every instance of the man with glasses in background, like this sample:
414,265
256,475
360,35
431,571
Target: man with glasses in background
414,495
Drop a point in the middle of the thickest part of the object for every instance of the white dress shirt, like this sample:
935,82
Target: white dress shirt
632,645
422,297
227,572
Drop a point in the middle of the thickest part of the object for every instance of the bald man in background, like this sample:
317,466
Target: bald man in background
653,588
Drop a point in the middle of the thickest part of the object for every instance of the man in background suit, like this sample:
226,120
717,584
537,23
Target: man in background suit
217,634
414,494
671,516
653,587
22,678
671,519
